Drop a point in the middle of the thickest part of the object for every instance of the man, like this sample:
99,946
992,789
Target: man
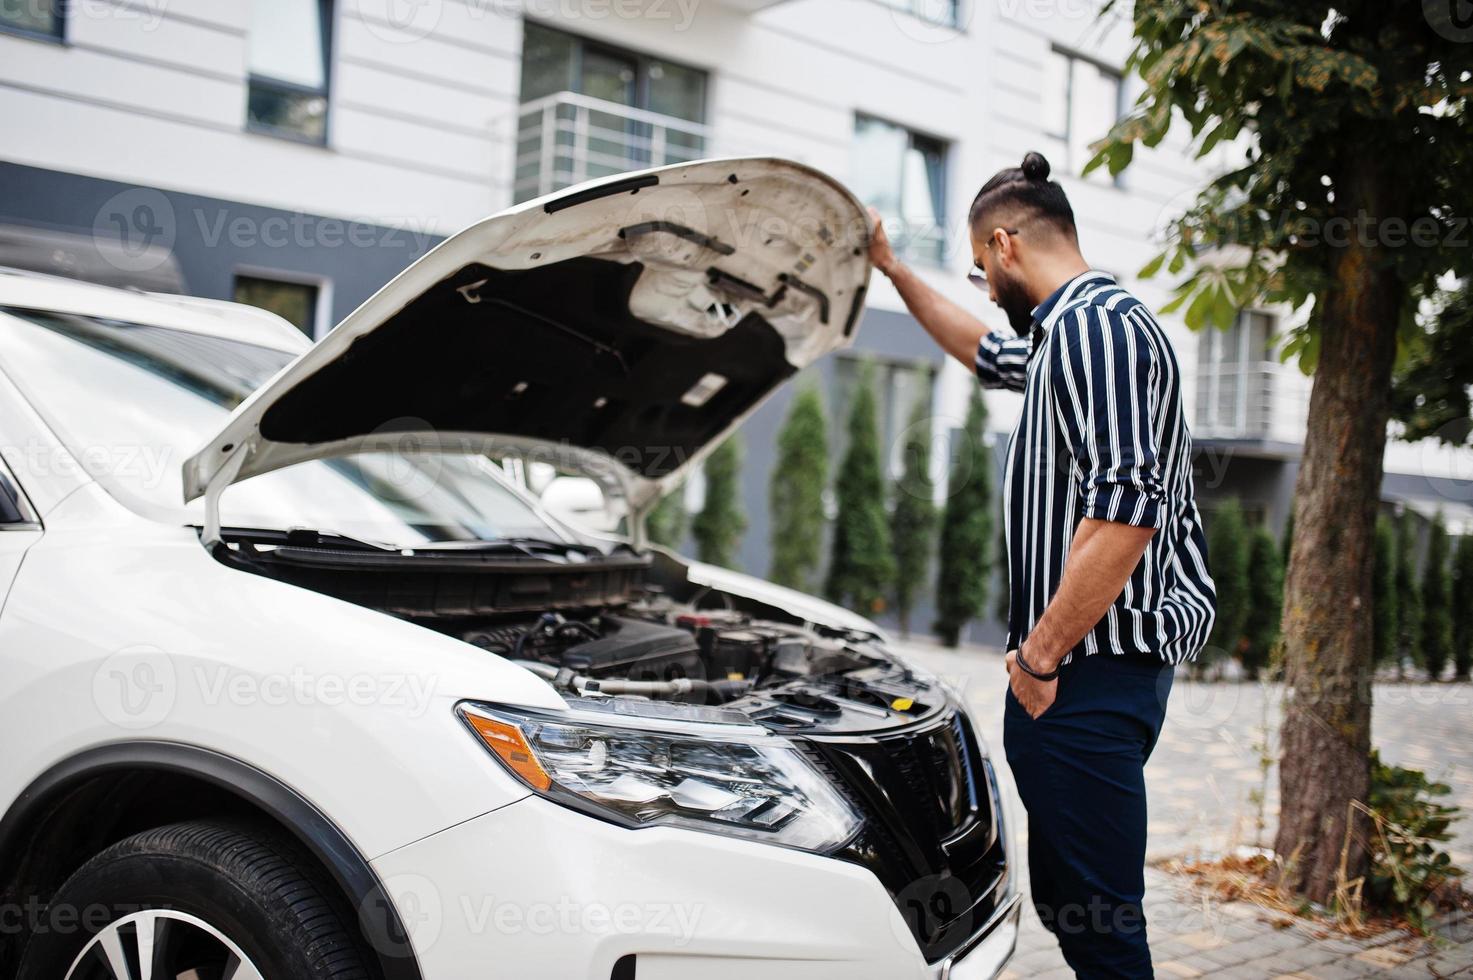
1106,557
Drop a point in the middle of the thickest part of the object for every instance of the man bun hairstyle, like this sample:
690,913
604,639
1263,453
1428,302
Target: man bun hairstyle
1023,193
1035,167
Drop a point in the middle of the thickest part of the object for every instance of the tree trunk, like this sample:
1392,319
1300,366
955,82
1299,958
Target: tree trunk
1327,627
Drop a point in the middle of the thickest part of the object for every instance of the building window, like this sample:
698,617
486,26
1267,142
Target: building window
289,45
590,110
902,175
1235,373
1082,99
34,18
295,302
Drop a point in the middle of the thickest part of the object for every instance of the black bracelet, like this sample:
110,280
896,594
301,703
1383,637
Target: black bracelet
1036,675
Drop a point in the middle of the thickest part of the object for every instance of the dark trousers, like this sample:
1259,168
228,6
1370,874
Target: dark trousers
1080,771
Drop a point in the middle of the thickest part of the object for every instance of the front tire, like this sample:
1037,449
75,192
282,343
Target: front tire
226,902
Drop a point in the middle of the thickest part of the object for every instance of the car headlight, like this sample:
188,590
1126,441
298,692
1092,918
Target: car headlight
644,772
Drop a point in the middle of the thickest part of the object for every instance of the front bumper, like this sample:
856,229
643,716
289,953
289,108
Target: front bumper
984,955
537,891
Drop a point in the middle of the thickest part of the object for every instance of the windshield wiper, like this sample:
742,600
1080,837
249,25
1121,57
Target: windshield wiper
302,537
306,537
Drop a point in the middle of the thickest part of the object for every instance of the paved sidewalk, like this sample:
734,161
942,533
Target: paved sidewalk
1202,780
1194,934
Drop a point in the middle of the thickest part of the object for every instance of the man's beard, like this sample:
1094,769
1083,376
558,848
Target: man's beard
1013,299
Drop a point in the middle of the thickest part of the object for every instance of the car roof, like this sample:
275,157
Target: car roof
217,318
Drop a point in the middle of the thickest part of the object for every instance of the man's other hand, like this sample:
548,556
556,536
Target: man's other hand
881,255
1034,695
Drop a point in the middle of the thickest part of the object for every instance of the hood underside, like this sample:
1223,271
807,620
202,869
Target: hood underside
622,327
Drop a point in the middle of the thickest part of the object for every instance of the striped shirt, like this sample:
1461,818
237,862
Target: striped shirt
1102,435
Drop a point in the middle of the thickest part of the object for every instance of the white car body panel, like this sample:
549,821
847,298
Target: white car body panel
389,761
692,908
687,905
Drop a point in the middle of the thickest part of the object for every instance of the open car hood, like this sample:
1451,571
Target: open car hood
621,327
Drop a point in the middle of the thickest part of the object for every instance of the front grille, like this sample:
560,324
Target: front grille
931,832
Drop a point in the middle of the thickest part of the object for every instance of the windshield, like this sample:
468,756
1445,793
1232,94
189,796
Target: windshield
132,402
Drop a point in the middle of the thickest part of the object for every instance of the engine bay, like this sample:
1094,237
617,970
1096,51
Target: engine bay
783,676
611,628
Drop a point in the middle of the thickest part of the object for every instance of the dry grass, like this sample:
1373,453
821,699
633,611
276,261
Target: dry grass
1256,878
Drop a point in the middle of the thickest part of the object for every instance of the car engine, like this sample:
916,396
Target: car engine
780,675
622,625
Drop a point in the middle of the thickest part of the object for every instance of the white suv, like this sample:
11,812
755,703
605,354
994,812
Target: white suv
332,697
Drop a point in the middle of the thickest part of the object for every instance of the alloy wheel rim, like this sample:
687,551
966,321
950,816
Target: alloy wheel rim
162,944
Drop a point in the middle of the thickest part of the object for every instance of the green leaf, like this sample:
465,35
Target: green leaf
1095,162
1224,309
1152,267
1120,155
1210,141
1183,292
1197,310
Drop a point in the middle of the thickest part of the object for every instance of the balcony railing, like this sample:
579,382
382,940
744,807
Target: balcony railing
566,138
1256,400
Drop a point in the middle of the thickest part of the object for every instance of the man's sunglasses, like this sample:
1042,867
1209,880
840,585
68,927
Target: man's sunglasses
977,276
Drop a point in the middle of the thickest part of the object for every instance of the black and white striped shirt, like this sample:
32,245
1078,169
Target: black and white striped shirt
1102,435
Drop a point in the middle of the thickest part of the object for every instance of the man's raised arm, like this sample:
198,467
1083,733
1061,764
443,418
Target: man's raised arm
998,363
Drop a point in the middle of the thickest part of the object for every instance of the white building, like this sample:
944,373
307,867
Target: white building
297,153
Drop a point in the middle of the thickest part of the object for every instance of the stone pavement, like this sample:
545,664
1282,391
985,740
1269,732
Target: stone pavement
1203,781
1194,934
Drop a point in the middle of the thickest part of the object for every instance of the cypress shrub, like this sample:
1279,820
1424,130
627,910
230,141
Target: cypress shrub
861,566
795,493
1265,602
966,529
913,519
718,527
1437,614
1408,593
1383,589
1463,608
1228,552
668,520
